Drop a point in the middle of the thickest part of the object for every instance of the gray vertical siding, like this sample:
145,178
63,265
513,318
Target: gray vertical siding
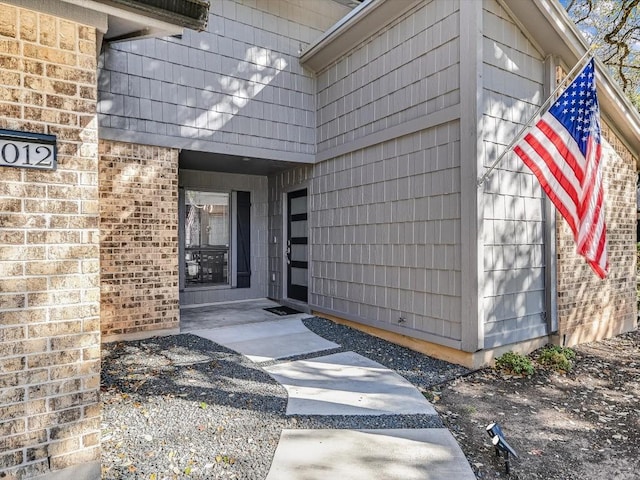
385,203
513,235
226,182
235,88
386,234
407,70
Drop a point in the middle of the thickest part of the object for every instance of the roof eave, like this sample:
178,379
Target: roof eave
147,17
192,14
363,21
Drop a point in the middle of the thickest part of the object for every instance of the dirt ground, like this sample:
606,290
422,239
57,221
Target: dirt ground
584,424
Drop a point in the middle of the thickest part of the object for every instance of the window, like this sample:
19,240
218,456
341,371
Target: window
206,238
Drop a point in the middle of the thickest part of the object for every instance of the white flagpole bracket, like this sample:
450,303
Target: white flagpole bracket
551,98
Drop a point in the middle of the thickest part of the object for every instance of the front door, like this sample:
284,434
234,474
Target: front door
297,245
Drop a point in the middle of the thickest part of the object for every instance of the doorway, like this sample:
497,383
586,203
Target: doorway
297,252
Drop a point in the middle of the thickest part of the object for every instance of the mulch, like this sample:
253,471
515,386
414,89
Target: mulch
583,424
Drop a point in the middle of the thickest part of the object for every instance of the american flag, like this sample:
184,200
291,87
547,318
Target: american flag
563,150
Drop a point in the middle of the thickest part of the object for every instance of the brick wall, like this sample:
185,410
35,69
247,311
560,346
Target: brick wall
590,308
139,238
49,262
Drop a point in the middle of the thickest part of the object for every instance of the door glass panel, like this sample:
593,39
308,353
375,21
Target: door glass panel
299,276
298,205
299,229
298,253
206,238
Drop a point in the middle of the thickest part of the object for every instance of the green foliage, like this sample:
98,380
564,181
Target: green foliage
557,358
612,26
516,363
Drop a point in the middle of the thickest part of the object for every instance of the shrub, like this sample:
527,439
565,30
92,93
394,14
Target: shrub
557,357
516,363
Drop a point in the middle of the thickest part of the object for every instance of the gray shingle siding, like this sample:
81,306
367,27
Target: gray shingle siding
217,87
513,236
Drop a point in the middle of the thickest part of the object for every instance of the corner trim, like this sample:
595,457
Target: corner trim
550,240
471,162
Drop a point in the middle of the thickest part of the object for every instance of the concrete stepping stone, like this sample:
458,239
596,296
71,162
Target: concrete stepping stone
395,454
347,384
267,341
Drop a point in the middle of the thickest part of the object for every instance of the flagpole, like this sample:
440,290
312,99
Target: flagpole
516,139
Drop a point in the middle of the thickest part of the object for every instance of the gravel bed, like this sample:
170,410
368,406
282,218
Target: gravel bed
185,407
422,371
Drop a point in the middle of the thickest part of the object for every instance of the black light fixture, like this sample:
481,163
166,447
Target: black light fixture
500,443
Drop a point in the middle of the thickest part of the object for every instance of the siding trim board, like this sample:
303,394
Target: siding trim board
132,136
426,122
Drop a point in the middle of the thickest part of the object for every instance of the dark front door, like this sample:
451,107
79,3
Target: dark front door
297,241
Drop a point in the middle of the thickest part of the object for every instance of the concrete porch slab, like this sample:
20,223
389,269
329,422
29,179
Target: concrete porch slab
397,454
266,341
347,384
229,313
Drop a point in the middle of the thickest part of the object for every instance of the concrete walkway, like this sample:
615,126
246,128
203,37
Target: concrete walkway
328,381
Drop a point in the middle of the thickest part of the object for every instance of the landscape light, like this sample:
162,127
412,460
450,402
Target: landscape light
500,443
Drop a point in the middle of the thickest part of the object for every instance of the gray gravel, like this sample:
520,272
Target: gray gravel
185,407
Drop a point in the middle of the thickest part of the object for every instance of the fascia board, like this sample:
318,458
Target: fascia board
145,21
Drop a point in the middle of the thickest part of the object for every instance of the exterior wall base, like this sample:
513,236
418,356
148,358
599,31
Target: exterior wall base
142,335
472,360
398,329
85,471
595,331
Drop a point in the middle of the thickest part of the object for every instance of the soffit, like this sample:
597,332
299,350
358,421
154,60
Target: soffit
218,162
129,19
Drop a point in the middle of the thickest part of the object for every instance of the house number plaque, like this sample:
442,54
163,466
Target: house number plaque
28,150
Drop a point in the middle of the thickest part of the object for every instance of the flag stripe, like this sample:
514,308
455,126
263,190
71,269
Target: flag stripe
569,149
560,198
546,152
563,151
